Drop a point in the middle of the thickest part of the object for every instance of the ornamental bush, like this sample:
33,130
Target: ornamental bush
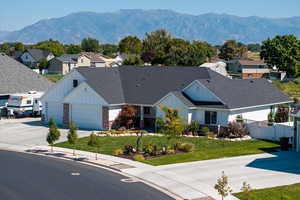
118,152
139,157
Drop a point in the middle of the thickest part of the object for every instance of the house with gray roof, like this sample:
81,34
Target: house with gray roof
32,57
17,78
94,97
66,62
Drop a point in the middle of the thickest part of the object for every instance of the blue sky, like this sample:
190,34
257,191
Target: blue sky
15,14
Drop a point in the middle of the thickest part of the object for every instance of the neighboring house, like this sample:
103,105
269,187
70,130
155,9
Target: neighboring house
17,55
237,65
17,78
100,60
250,73
65,63
219,67
276,75
93,97
32,57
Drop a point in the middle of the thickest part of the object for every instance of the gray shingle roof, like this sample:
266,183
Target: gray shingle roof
17,78
148,84
70,58
38,54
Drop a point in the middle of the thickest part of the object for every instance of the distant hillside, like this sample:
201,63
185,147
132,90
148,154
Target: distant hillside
111,27
3,33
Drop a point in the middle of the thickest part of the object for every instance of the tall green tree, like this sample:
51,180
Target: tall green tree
110,50
156,44
133,60
90,45
131,45
43,64
282,51
73,49
19,46
231,49
54,46
53,134
254,47
72,135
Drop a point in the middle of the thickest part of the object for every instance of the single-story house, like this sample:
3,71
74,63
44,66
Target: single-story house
65,63
32,57
93,97
100,60
17,78
237,65
250,73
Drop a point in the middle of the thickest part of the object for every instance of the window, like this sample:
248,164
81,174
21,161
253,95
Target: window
75,83
28,102
210,117
147,110
81,60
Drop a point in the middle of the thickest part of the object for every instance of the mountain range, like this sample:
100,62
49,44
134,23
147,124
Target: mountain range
113,26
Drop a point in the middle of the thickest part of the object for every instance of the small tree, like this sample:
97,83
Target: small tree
72,136
94,142
126,116
222,186
43,64
246,190
53,134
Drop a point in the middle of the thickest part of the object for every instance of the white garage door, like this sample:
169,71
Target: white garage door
86,116
55,111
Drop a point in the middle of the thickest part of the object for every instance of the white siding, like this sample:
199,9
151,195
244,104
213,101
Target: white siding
86,116
58,92
256,114
222,116
53,110
198,92
83,94
173,102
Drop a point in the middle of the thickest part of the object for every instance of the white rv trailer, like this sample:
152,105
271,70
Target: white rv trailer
25,103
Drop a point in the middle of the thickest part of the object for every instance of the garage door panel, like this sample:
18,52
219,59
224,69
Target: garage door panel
86,116
55,111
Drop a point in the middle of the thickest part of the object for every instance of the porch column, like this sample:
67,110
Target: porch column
141,117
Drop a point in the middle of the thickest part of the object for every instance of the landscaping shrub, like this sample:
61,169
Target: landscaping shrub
187,147
148,149
234,130
177,146
193,128
282,115
118,152
170,151
211,135
204,131
129,149
93,140
139,157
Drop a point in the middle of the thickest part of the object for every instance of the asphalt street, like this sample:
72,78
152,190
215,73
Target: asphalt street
31,177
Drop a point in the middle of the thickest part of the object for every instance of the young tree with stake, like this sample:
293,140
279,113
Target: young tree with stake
72,136
53,134
222,186
94,142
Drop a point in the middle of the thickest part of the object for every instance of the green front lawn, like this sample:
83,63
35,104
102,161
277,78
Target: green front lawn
204,148
53,77
289,192
291,88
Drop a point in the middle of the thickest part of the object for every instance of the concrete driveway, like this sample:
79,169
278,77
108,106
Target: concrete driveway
196,179
28,132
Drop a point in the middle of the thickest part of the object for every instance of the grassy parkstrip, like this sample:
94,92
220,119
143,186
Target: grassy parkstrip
54,77
289,192
204,148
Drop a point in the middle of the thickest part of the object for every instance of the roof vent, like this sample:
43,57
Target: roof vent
208,80
138,85
251,81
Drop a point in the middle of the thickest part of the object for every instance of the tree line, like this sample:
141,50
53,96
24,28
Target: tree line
160,48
